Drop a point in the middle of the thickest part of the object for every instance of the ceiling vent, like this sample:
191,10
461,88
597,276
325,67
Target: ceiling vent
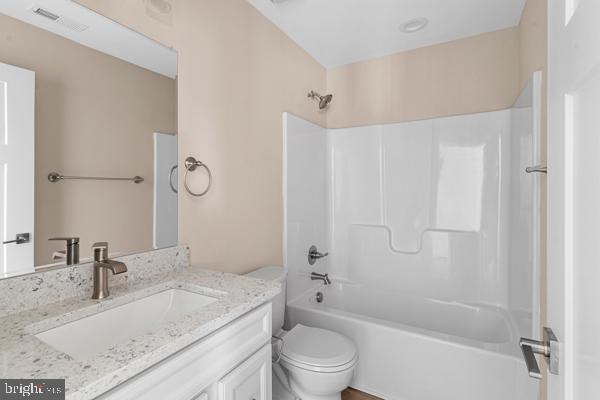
60,20
45,13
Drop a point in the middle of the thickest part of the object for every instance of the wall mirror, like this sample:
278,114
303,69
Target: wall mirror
88,136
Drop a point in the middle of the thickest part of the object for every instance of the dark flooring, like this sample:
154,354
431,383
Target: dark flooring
353,394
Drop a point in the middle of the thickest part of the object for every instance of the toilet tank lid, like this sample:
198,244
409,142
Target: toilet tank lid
272,273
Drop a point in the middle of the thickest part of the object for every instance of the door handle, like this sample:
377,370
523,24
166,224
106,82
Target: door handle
547,348
20,239
527,349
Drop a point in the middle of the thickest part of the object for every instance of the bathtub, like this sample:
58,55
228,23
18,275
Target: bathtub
413,348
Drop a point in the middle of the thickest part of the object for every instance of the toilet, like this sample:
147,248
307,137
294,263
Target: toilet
314,363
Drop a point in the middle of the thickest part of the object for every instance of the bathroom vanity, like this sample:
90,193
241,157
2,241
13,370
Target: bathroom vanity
167,331
233,363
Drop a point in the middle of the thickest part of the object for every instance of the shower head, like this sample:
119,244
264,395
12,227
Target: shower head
323,100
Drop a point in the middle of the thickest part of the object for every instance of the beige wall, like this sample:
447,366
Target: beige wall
95,115
475,74
237,74
533,39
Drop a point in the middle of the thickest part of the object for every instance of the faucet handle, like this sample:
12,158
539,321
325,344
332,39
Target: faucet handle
100,250
71,254
70,240
314,255
100,245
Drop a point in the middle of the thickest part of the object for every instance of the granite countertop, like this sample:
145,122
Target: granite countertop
24,356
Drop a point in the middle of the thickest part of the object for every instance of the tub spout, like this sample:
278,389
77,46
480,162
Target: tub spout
314,276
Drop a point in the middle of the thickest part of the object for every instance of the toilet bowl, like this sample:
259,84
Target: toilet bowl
318,363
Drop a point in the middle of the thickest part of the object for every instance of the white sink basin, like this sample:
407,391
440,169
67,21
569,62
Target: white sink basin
91,335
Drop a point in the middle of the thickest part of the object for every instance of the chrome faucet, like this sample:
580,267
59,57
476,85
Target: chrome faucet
314,276
71,254
101,267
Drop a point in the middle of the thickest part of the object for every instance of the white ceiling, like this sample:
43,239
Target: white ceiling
338,32
101,34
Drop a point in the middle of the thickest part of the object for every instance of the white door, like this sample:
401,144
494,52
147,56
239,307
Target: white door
17,93
574,197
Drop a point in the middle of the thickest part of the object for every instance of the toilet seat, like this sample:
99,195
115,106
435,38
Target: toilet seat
318,350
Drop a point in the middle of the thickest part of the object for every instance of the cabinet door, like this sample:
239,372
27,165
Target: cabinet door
209,393
251,380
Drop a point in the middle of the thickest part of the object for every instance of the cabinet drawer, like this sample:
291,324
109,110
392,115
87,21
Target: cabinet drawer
249,381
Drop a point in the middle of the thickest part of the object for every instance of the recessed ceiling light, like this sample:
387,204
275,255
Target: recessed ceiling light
414,25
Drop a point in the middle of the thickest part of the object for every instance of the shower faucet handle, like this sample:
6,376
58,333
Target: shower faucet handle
314,255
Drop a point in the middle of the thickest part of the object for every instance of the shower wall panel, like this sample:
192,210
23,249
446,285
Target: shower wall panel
423,207
439,208
305,199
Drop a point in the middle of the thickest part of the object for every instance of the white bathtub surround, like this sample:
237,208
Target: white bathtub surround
25,356
525,207
433,226
485,327
305,201
406,354
425,208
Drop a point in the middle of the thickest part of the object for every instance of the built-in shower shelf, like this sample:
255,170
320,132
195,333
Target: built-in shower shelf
419,248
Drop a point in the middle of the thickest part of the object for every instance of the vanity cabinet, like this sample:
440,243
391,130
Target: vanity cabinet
249,381
232,363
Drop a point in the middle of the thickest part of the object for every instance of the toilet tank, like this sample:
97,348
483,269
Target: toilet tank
276,274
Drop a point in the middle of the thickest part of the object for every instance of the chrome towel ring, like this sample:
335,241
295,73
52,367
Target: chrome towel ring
173,168
190,165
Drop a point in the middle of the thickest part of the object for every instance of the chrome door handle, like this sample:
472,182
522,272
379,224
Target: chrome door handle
20,239
532,366
547,347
